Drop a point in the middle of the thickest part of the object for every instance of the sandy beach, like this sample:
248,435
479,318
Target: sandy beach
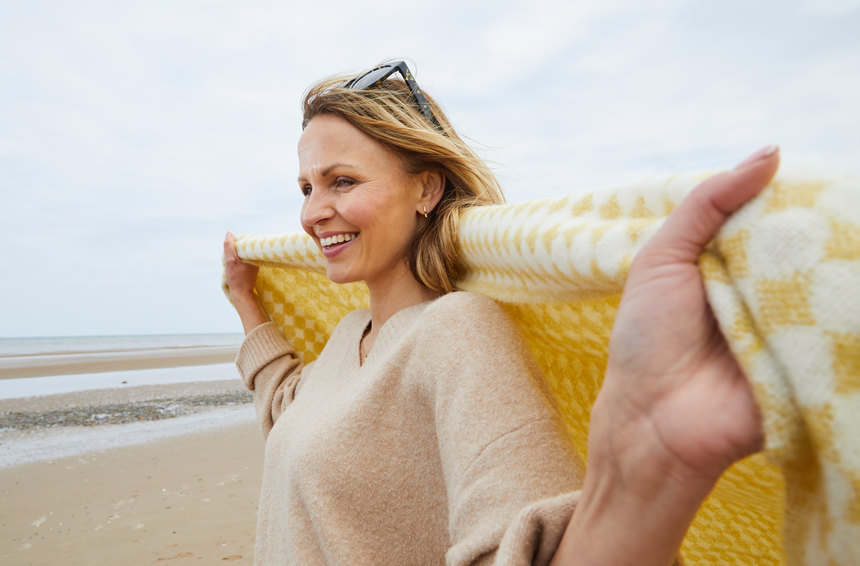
148,456
12,367
189,499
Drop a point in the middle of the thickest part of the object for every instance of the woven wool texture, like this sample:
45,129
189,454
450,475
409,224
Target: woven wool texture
783,278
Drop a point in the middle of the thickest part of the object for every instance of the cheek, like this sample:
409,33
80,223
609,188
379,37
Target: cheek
365,213
385,221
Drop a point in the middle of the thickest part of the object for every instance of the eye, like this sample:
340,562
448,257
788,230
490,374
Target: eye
306,190
343,182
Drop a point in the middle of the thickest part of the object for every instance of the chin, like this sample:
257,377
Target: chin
339,277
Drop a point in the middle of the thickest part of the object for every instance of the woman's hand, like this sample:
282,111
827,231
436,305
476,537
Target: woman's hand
241,278
671,379
675,410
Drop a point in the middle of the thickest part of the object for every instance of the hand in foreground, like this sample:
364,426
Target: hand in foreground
675,410
241,278
671,378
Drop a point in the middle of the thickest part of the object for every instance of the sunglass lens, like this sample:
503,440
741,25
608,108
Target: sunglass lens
371,78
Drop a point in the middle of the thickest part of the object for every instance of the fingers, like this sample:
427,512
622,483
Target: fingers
700,216
230,247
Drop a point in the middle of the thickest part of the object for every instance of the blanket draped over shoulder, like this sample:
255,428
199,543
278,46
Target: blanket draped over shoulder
783,279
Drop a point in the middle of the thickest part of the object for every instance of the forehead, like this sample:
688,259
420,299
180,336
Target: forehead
329,139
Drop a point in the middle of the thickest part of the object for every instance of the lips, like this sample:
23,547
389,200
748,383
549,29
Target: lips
336,243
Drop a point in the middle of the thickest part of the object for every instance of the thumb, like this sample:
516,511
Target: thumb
700,216
230,251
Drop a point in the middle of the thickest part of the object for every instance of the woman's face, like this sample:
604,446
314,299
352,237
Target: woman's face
360,207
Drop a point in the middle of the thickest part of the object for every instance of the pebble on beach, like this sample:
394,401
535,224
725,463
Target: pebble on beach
120,413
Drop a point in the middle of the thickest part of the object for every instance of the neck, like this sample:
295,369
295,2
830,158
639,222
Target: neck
393,293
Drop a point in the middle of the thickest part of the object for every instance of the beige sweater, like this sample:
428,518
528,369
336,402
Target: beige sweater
444,447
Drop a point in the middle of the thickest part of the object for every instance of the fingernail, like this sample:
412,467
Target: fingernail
760,154
229,234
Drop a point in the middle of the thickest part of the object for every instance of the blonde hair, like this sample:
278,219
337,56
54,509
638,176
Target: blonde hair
389,114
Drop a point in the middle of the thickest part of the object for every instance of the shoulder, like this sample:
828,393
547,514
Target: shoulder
463,307
466,298
472,316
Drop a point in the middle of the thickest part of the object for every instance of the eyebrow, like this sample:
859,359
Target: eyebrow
327,170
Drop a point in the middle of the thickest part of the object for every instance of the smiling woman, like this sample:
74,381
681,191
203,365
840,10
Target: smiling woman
425,154
424,433
360,205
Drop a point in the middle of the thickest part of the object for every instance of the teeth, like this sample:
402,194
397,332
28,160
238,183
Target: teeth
337,239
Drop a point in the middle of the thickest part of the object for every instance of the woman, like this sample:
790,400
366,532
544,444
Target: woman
423,434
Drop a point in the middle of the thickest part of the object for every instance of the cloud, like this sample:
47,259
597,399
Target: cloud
133,135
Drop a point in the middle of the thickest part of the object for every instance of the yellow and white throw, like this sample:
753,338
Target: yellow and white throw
783,278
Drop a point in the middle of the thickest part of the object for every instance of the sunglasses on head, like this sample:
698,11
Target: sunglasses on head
375,76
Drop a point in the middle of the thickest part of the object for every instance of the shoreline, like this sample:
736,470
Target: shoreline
54,364
67,424
67,384
124,394
45,444
104,351
120,413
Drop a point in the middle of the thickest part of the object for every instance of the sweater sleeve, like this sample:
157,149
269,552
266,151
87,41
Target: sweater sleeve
516,501
271,369
511,472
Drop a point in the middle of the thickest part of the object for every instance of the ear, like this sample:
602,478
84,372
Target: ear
432,187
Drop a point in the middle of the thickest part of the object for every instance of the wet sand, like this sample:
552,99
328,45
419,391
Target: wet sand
12,367
189,499
120,395
80,422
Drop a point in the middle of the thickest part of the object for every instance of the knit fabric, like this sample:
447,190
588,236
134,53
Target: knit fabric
782,278
446,445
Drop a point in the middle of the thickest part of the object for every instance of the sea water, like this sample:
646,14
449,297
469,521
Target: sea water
85,344
57,384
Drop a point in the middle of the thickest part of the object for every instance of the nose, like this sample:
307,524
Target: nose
316,208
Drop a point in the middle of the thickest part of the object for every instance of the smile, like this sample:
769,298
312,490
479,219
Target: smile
333,241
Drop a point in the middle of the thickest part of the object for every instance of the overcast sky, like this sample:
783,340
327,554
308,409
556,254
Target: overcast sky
134,134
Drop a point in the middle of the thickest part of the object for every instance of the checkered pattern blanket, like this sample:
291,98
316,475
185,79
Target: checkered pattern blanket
783,278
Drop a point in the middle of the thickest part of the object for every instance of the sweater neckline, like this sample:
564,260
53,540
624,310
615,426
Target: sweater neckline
391,331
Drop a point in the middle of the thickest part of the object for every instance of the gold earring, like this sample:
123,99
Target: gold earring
425,211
